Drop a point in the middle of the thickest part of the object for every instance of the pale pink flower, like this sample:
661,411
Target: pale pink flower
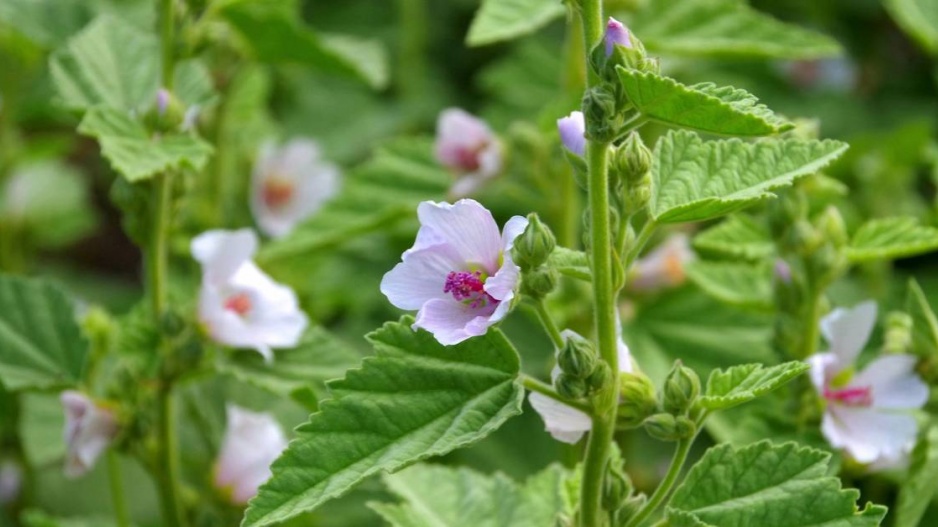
466,145
252,442
11,481
867,413
89,429
459,274
616,35
664,266
290,183
572,129
239,305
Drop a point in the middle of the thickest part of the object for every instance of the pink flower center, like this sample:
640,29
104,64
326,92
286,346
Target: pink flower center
468,158
856,396
277,192
239,303
468,288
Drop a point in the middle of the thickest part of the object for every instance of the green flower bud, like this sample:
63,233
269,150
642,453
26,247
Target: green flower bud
662,427
637,399
831,225
630,508
166,114
685,428
632,159
801,238
577,358
616,488
681,389
827,263
898,333
600,377
580,171
171,323
570,387
638,194
532,248
784,211
599,109
539,282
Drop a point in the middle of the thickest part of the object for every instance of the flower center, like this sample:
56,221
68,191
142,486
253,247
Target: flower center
277,192
674,268
856,396
468,157
239,303
468,287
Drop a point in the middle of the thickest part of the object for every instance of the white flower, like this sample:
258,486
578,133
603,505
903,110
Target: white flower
89,430
459,274
664,266
290,184
239,305
11,481
252,442
867,413
563,422
466,144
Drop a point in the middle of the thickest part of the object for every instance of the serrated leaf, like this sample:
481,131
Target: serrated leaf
918,18
738,236
890,238
741,384
276,35
498,20
726,28
924,322
704,107
440,496
768,485
45,22
413,400
919,488
695,180
740,284
571,263
137,155
41,346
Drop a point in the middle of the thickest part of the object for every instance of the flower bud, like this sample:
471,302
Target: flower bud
577,358
537,283
667,427
601,376
616,488
681,389
831,226
532,248
171,323
898,333
572,129
616,35
166,114
580,170
801,238
570,387
630,507
784,211
599,108
637,399
632,159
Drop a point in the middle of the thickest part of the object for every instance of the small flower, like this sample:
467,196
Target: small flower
782,271
290,184
459,274
664,266
89,429
252,442
239,305
11,481
466,144
616,34
572,130
867,413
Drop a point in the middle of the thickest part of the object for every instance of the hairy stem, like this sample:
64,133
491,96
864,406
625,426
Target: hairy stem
412,16
549,326
664,488
116,480
167,469
543,388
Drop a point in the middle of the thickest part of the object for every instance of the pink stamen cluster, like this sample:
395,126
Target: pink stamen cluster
467,287
858,396
468,158
239,303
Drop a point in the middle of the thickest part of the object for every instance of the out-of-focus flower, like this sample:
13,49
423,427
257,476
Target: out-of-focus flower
459,274
837,75
11,481
572,130
664,266
289,184
239,305
466,145
616,34
782,271
252,442
89,429
867,413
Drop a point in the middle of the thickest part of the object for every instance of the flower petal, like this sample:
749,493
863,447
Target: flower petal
468,227
895,385
222,252
564,423
252,442
420,277
572,130
868,434
823,367
452,322
848,330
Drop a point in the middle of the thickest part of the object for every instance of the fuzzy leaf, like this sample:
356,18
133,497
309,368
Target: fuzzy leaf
695,180
440,496
704,107
890,238
767,485
571,263
738,236
741,384
41,346
499,20
736,283
134,153
924,322
726,28
918,18
45,22
413,400
919,488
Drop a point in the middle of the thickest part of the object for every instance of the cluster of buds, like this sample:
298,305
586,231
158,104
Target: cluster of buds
675,421
619,499
631,165
531,252
580,372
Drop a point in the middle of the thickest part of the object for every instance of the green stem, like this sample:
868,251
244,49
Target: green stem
664,488
543,388
167,469
167,43
116,480
549,326
412,18
812,324
632,252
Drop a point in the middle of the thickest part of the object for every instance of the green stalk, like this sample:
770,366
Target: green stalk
664,488
543,388
549,326
412,21
167,43
116,480
167,469
812,324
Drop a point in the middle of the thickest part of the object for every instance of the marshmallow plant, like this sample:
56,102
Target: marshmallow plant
467,146
252,442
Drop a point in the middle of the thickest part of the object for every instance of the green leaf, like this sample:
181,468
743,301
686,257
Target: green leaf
38,518
276,35
499,20
695,180
918,18
740,284
705,107
45,22
890,238
40,343
134,153
768,485
571,263
300,372
919,488
413,400
739,236
440,496
924,322
741,384
725,28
